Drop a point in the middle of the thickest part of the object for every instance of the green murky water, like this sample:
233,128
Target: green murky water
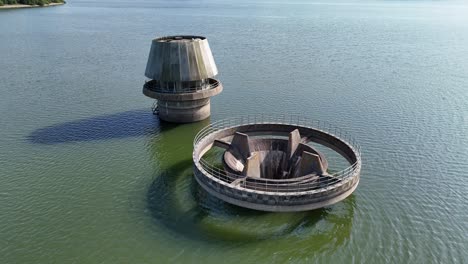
89,175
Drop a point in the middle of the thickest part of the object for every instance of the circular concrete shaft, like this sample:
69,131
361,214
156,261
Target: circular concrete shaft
269,164
182,71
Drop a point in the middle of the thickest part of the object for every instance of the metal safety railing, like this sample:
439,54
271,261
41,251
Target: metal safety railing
325,182
276,186
156,86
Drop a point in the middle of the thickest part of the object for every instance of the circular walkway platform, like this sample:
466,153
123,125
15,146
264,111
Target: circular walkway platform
310,187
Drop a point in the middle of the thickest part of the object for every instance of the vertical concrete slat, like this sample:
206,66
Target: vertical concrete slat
252,166
240,142
310,163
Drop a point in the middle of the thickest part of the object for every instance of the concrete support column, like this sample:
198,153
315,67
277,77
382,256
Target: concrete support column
185,111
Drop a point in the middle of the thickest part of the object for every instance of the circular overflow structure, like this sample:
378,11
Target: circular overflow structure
269,163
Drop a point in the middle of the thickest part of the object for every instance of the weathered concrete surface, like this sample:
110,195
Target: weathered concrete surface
275,158
181,69
181,112
240,144
277,203
308,134
293,142
311,163
180,58
280,195
182,96
252,166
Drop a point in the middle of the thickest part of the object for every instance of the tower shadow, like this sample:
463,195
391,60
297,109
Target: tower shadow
126,124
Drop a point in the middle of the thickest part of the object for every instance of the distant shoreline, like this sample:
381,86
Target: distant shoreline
28,6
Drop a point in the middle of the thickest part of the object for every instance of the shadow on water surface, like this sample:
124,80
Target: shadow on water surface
113,126
177,202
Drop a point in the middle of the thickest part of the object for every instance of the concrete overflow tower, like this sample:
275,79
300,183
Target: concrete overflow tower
182,71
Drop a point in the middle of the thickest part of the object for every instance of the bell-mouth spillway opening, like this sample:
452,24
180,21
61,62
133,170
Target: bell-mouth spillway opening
269,163
271,157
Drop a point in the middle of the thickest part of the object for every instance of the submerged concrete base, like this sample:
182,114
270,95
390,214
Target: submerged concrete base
184,112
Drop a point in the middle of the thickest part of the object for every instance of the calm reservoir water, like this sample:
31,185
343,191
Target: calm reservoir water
89,175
